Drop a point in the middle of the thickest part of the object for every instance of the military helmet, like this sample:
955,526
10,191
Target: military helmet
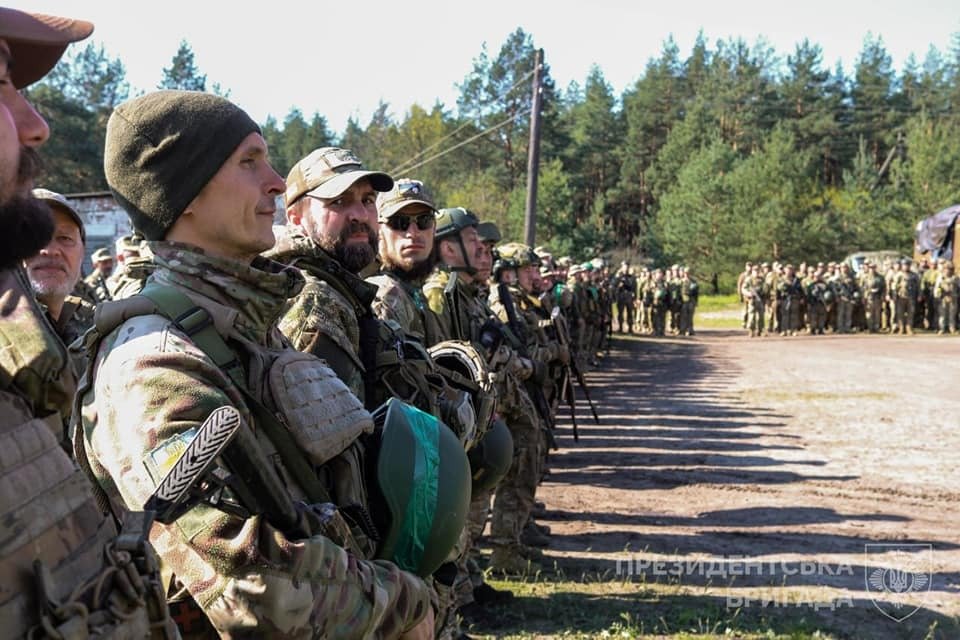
464,368
419,489
452,221
517,254
489,232
491,458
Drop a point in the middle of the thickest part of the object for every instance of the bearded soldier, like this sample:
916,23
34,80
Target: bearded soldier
66,572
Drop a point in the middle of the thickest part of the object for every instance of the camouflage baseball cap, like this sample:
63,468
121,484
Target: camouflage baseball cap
404,192
58,201
329,171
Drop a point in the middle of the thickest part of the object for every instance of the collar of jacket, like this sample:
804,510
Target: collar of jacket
295,249
256,291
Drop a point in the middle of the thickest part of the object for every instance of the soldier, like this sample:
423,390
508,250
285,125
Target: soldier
625,287
891,271
847,293
675,303
689,294
946,291
791,294
874,290
96,283
819,294
406,217
927,303
771,282
755,292
451,292
906,288
66,573
136,263
286,550
746,273
55,271
659,303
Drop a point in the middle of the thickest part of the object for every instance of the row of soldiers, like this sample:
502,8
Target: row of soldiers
275,432
653,298
893,297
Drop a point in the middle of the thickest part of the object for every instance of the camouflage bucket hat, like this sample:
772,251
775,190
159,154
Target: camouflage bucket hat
404,192
329,171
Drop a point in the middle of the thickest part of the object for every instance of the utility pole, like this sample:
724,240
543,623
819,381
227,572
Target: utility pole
533,154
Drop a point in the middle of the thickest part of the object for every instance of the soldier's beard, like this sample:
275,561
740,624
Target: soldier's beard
27,227
353,257
418,271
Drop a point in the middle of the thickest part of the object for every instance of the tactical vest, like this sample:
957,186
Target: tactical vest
307,419
64,572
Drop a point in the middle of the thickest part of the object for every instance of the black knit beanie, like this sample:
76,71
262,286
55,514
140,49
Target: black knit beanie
164,147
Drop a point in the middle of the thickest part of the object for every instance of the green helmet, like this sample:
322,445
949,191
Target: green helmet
489,232
422,478
452,221
491,458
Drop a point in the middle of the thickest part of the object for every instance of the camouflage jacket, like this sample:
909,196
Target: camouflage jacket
324,317
128,280
151,386
946,287
405,303
95,287
51,523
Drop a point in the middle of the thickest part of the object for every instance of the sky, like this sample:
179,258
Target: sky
341,58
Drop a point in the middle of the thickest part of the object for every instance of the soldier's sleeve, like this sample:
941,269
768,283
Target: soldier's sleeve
152,387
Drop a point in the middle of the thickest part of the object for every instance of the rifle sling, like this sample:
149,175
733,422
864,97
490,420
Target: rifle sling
197,324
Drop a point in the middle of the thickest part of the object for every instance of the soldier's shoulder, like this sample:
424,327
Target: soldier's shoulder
437,280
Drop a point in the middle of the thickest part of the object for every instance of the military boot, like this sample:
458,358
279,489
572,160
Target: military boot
509,560
532,536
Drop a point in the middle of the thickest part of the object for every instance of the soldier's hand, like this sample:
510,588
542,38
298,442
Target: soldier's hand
423,630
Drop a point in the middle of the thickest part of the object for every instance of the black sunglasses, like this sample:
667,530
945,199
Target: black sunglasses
402,223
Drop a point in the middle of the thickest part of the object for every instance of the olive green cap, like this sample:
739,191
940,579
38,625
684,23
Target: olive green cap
60,202
404,192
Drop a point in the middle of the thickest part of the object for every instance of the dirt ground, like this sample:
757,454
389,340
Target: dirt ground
804,473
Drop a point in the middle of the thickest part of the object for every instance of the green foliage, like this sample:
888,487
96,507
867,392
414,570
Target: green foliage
183,72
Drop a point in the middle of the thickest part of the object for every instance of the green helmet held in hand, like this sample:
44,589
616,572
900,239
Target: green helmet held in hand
420,487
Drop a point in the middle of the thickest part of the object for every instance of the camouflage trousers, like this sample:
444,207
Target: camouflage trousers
625,314
755,318
844,316
686,318
773,316
643,318
948,314
514,498
872,306
903,318
816,317
790,316
658,320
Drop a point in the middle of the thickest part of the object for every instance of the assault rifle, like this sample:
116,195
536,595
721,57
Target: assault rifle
563,334
532,387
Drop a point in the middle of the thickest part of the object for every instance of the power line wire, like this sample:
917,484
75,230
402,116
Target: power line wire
499,125
410,161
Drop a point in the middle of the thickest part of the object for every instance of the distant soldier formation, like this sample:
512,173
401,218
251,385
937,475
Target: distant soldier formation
895,297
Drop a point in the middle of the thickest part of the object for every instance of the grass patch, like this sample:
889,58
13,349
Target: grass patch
626,609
